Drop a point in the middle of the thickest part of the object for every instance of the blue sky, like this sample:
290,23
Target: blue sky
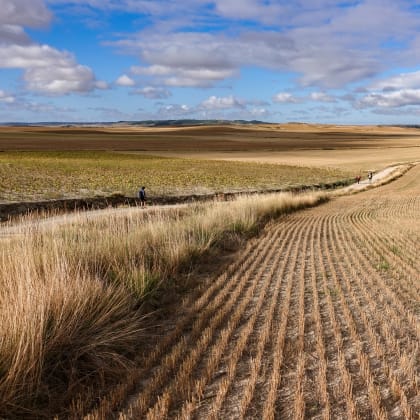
338,62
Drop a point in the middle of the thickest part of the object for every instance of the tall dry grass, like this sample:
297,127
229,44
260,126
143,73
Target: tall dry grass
69,291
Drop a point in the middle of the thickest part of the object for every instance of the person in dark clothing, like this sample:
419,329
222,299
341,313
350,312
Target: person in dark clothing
142,196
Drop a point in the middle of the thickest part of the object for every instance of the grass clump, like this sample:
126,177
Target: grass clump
69,292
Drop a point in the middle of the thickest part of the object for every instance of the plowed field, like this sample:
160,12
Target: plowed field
318,318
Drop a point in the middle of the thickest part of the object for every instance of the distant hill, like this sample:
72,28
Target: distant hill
146,123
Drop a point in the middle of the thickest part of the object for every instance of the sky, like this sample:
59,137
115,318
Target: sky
325,61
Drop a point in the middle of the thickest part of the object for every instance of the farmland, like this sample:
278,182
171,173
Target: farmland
270,306
318,318
38,163
49,175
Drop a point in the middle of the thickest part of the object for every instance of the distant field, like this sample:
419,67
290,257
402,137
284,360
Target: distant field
48,175
348,148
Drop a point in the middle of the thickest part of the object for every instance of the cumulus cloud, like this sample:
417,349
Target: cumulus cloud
46,69
284,98
151,92
31,13
217,107
259,112
391,99
181,60
401,81
125,80
5,97
321,97
402,90
13,34
328,44
175,111
62,80
255,10
214,102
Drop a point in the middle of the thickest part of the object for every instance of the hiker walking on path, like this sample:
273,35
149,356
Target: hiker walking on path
370,176
142,196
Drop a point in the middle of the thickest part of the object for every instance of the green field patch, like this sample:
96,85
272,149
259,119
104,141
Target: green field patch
47,175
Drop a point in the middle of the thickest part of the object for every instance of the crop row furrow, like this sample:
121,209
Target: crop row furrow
208,319
293,250
290,398
351,344
263,335
270,391
387,255
220,348
319,395
374,365
182,387
340,379
213,297
380,285
385,347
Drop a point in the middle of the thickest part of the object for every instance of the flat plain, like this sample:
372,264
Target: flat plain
69,174
307,306
62,162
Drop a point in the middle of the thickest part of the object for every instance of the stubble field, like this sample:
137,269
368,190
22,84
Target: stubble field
318,318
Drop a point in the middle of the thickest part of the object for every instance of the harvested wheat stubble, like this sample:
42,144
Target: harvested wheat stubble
319,320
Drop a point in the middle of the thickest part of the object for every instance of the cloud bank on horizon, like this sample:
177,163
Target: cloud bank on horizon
353,61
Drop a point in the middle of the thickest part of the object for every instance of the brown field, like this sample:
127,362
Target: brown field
317,318
257,138
344,147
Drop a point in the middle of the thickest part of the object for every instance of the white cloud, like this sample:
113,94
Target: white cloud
259,112
61,80
285,97
13,34
155,70
181,59
31,13
401,81
255,10
5,97
46,69
184,76
398,98
321,97
125,80
326,43
47,109
151,92
174,111
397,91
214,102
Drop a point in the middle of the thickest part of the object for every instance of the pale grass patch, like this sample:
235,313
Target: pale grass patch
68,291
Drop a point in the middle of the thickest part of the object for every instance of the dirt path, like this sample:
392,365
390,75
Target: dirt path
8,230
318,318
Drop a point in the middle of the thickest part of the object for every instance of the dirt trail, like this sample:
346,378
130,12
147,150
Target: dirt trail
14,228
317,318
